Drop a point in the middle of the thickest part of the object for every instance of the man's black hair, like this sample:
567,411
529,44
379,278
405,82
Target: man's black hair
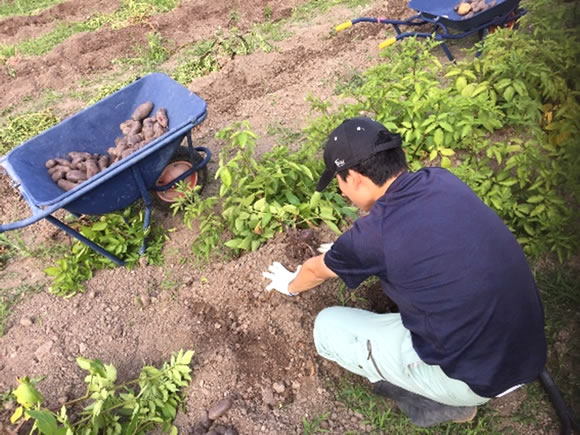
380,167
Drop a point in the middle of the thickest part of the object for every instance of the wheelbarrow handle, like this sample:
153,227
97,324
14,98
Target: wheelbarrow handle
343,26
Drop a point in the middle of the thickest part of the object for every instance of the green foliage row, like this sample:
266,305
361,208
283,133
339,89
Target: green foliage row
506,123
25,7
18,129
259,197
130,12
121,234
112,408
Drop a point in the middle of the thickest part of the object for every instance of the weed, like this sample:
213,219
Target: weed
20,128
25,7
308,9
149,57
110,405
109,89
120,233
286,136
130,12
267,12
314,426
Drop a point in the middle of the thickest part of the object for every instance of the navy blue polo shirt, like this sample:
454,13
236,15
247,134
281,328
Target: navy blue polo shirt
460,279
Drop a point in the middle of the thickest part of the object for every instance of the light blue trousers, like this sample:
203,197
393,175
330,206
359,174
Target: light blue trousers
379,347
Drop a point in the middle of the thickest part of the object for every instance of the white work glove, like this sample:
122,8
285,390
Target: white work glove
324,247
281,278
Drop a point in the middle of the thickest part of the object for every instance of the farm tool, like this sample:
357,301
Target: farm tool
92,131
443,16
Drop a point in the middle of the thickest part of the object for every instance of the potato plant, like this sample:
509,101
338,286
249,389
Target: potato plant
259,198
110,407
120,233
506,123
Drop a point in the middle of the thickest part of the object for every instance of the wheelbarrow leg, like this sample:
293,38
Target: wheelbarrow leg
147,199
84,240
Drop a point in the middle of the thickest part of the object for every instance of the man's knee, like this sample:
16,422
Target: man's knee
325,328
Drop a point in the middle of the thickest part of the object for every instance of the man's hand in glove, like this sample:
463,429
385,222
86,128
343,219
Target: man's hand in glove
281,278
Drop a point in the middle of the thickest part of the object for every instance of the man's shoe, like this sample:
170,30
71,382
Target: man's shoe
469,417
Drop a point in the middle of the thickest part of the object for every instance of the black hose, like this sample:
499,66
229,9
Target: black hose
567,420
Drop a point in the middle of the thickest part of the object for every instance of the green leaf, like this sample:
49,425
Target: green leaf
535,199
99,226
314,199
432,155
18,412
460,83
445,162
438,137
52,271
508,94
468,90
332,226
45,421
446,151
226,177
233,244
446,126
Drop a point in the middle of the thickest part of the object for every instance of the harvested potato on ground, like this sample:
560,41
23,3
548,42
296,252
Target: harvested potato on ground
142,111
50,163
57,175
130,127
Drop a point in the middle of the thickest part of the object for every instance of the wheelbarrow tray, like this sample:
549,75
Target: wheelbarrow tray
445,11
94,130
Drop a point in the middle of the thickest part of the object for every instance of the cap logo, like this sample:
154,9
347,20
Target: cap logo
339,163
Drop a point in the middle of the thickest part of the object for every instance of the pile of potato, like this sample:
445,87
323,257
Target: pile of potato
469,8
137,132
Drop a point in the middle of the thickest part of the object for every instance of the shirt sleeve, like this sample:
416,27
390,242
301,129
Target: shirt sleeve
358,253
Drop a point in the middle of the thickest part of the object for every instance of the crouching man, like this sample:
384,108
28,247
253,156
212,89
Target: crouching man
471,323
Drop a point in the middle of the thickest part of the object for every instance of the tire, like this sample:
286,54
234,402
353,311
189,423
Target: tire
179,163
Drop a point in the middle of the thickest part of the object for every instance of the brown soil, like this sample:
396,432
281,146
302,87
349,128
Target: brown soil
245,339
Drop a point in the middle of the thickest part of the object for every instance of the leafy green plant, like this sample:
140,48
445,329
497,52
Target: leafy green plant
130,12
458,116
149,57
112,407
28,7
258,198
121,234
18,129
314,426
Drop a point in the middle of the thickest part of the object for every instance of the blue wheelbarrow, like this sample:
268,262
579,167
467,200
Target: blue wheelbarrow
443,16
93,130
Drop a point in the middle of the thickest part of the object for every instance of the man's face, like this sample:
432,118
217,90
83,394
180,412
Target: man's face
354,191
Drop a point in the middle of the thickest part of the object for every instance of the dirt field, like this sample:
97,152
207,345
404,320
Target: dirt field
250,346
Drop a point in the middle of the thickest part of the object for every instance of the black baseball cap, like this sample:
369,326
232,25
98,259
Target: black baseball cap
352,142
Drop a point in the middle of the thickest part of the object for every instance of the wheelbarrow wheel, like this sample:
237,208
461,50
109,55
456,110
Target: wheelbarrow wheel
178,164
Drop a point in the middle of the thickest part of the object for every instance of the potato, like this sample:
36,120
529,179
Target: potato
63,162
126,153
130,125
148,131
59,168
220,408
66,185
57,175
50,163
79,155
134,139
161,117
158,130
142,111
92,168
76,176
463,8
104,162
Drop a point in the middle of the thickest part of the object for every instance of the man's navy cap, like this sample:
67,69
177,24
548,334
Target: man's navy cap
353,141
